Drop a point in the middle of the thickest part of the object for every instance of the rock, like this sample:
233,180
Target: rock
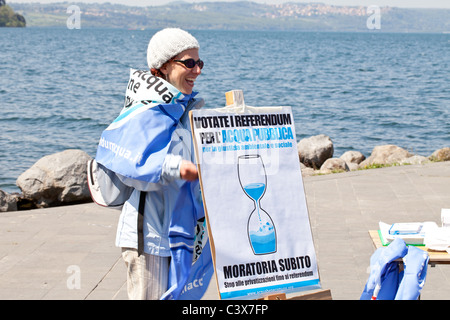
353,157
415,160
57,179
334,164
386,155
352,166
313,151
8,202
441,155
306,171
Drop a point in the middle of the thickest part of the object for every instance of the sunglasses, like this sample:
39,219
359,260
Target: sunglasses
190,63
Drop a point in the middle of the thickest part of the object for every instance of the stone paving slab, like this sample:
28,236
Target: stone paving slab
69,253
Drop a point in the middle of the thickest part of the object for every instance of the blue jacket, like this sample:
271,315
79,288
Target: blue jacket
385,282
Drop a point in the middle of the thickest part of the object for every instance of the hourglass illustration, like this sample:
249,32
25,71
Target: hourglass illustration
260,227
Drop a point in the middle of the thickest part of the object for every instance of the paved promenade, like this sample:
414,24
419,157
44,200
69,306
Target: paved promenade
69,253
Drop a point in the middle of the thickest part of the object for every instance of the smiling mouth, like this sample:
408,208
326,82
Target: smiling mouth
190,81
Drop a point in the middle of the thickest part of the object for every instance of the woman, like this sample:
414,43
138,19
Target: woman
149,148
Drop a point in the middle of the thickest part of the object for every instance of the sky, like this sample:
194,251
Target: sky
366,3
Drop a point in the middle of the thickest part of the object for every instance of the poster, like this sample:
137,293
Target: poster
255,202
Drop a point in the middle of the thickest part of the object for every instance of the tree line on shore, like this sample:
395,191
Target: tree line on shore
8,18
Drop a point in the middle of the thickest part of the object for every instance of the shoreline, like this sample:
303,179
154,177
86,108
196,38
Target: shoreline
307,177
70,187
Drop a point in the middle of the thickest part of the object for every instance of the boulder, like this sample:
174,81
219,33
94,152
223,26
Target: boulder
57,179
334,164
306,171
386,155
8,202
353,157
416,159
313,151
441,155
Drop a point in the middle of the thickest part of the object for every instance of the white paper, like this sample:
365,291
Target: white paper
438,240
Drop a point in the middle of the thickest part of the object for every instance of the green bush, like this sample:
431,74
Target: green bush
8,18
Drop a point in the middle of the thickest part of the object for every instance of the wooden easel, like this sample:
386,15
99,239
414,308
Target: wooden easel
322,294
236,98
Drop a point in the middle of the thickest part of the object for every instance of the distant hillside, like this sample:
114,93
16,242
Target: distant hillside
242,15
8,18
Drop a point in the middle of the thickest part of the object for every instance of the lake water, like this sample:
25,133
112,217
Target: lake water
60,88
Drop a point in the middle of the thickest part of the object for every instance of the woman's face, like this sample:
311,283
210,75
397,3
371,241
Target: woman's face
179,75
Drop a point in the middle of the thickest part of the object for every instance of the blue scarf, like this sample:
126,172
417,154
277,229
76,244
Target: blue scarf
135,145
188,277
137,141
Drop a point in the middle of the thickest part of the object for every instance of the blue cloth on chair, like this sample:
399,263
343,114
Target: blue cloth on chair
384,271
416,262
385,282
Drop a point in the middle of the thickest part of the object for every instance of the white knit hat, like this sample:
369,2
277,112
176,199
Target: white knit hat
168,43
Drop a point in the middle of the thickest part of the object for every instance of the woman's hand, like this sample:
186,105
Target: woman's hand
188,171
